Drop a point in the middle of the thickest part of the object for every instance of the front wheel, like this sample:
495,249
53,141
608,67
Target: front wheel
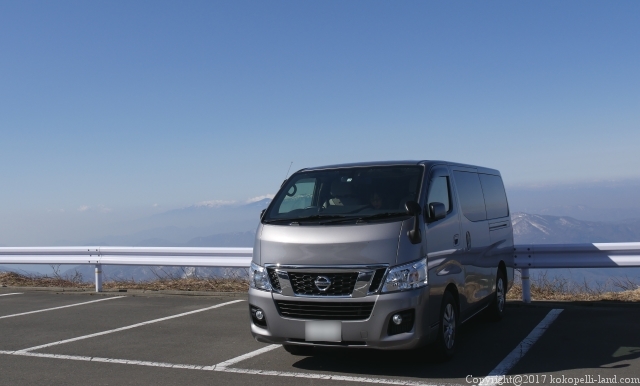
496,309
446,341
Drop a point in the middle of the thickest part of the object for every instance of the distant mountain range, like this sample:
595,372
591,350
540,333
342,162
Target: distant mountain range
545,229
528,229
598,200
189,226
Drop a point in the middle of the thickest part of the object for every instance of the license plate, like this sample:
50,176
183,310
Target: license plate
323,331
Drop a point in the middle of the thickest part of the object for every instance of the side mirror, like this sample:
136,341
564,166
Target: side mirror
262,213
437,211
414,209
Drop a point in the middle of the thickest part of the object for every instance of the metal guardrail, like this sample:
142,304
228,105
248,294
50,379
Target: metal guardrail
599,255
97,256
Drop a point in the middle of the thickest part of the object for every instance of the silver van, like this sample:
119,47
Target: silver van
385,255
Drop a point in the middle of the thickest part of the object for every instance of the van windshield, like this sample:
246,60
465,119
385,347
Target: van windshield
346,194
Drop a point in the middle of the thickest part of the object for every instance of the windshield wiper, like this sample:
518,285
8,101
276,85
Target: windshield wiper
298,219
358,219
385,215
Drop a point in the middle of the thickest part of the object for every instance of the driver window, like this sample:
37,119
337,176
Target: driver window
298,196
439,191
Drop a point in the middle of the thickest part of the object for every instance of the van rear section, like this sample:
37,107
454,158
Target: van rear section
373,255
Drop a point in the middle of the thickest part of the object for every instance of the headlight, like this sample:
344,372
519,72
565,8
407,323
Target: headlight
405,277
259,278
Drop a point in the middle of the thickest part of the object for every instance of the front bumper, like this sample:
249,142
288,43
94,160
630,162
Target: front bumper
369,333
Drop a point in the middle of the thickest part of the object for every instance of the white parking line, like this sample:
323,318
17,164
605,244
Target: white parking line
384,381
57,308
247,356
106,360
223,366
126,327
496,376
14,293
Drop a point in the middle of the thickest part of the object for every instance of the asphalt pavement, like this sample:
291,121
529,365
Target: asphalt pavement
54,338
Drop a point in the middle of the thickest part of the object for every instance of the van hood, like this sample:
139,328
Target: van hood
330,245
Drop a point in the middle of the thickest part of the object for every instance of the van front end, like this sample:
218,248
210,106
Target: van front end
334,263
291,310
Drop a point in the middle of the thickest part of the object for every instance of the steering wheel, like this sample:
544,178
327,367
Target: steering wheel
295,190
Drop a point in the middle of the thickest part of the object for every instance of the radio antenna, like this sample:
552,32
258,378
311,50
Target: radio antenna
285,177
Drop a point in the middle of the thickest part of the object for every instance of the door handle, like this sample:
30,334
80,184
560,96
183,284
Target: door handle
456,239
468,241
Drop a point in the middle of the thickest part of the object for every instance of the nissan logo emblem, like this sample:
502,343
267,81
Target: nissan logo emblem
323,283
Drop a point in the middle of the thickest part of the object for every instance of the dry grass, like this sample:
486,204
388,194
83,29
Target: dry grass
12,279
183,284
231,284
561,289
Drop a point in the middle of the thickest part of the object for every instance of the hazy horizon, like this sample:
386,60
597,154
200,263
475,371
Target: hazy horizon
602,201
113,112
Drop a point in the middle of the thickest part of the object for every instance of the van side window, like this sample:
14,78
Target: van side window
299,195
439,191
495,198
470,195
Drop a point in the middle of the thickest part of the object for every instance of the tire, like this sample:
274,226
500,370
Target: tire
298,350
445,345
496,308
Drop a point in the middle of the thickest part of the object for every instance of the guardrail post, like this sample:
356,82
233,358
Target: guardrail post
526,285
98,277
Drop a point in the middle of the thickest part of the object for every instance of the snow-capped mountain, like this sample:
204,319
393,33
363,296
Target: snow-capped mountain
544,229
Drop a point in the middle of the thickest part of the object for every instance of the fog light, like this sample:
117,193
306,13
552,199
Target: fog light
401,322
258,317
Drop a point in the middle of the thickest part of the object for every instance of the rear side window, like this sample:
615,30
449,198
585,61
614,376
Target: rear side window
494,196
470,195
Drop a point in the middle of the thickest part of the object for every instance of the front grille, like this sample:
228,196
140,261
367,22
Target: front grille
273,277
341,283
325,311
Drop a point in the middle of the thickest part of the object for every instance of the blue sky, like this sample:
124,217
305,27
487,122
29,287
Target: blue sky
118,106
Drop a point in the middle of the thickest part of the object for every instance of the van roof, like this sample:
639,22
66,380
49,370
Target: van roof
426,163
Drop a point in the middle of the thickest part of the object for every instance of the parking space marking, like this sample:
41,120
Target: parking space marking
514,356
384,381
57,308
14,293
106,360
347,378
247,356
224,366
127,327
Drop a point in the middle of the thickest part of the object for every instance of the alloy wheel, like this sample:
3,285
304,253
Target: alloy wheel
449,325
500,294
